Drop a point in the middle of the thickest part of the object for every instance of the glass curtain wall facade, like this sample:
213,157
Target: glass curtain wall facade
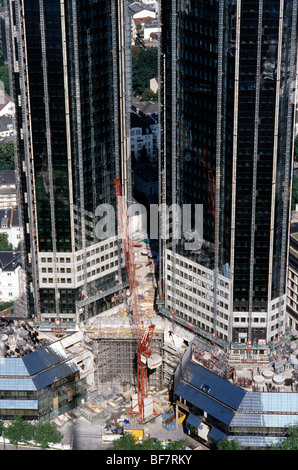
41,385
70,110
255,419
229,83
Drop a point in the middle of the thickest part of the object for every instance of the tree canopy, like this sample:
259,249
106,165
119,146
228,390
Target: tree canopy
4,75
7,155
225,444
4,243
144,67
291,442
4,306
45,433
20,430
149,95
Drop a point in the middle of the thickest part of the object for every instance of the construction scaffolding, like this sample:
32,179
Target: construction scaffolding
112,340
115,360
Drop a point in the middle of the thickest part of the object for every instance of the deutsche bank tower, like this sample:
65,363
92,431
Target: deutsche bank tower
70,62
229,96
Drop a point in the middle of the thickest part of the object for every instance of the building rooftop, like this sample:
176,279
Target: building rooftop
4,98
9,218
5,123
145,107
137,7
147,20
18,338
7,178
144,121
9,260
240,397
280,374
28,363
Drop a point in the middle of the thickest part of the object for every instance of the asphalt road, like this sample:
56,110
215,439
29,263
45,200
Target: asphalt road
83,435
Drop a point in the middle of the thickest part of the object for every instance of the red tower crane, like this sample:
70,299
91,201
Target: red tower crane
143,335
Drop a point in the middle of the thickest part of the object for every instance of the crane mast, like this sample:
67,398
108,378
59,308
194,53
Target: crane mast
143,335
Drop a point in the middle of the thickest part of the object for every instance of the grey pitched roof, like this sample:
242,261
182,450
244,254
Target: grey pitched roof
145,107
9,217
136,7
5,123
37,370
5,99
7,177
10,260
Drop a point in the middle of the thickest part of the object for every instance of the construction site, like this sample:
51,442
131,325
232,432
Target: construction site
131,359
135,349
127,355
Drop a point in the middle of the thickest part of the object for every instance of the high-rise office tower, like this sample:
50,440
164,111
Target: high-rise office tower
229,85
70,62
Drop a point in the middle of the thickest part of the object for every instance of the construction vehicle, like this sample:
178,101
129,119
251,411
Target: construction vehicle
143,335
137,431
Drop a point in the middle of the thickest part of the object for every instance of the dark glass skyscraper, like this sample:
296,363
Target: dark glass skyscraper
229,82
71,86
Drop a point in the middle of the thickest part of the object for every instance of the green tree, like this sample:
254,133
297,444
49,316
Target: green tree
7,155
4,77
148,95
149,59
144,67
5,305
225,444
126,442
1,428
177,445
4,243
291,441
46,433
150,444
19,430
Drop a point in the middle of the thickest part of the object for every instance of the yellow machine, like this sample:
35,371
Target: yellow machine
137,431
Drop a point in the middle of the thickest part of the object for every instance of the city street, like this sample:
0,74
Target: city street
83,435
